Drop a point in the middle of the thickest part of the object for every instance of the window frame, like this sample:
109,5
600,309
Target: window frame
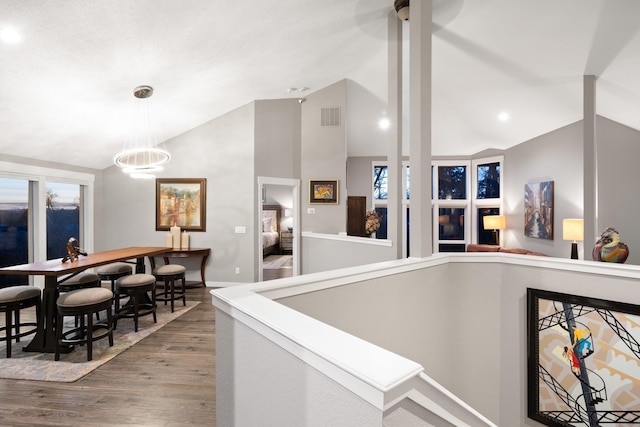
470,205
486,203
38,177
437,204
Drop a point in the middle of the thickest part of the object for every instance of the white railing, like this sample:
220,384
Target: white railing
378,376
440,402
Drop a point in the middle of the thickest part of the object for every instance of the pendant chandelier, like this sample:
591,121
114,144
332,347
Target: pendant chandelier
141,153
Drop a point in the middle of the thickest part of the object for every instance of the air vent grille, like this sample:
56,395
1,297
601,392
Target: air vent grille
330,116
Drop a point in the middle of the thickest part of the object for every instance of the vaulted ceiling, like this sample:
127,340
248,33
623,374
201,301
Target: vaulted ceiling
66,86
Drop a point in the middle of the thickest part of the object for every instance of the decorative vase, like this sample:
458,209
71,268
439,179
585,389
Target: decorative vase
609,248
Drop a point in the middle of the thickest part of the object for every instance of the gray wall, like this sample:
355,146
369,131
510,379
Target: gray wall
227,151
324,156
557,157
222,151
465,323
277,138
618,177
441,318
359,177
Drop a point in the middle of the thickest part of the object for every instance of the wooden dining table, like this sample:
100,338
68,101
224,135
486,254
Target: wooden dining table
44,339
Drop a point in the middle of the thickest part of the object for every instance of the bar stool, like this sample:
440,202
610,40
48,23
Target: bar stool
136,286
12,300
83,303
80,281
112,272
168,274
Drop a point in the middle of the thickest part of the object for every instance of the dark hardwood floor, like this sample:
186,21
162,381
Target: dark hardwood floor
167,379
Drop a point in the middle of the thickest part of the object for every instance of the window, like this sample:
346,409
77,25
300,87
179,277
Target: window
63,217
452,182
488,181
460,210
486,236
45,195
451,224
380,183
14,227
488,196
380,195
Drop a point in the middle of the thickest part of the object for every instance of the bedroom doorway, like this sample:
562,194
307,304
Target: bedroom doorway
278,228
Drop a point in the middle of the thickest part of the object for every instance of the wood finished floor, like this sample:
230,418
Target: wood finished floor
271,274
167,379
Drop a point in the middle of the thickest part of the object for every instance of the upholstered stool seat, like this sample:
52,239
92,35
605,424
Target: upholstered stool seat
113,272
79,281
84,303
136,287
12,300
168,274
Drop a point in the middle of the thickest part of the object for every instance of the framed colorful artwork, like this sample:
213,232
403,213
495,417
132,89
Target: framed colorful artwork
323,191
583,360
538,210
181,202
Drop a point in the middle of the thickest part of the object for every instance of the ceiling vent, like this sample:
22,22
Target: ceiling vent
330,116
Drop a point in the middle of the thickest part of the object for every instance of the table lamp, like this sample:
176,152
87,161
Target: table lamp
495,223
288,213
573,229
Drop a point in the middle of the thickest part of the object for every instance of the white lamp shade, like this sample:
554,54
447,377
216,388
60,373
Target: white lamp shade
288,213
494,222
573,229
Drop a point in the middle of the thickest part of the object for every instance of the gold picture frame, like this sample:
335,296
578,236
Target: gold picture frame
323,191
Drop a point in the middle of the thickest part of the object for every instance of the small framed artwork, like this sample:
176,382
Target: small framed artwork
583,355
323,191
181,202
538,210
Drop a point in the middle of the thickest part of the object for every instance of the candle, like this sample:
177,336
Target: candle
175,233
168,240
184,243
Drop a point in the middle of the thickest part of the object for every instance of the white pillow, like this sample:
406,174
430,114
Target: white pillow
266,224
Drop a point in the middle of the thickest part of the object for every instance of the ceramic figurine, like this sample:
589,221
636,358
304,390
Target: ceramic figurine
609,248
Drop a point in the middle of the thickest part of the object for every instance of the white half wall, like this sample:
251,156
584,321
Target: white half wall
461,317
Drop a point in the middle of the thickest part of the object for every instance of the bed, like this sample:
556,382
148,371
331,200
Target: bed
270,229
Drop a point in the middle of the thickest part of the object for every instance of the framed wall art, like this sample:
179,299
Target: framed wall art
323,191
583,360
181,202
538,210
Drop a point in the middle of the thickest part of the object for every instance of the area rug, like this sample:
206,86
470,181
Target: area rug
73,366
274,262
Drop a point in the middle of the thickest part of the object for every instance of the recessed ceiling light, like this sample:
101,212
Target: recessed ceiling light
503,116
10,35
384,123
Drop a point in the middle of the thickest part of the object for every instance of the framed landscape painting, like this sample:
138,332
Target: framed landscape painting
538,210
323,191
181,202
583,360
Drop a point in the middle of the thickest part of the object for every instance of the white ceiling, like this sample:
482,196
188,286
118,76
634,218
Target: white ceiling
66,88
